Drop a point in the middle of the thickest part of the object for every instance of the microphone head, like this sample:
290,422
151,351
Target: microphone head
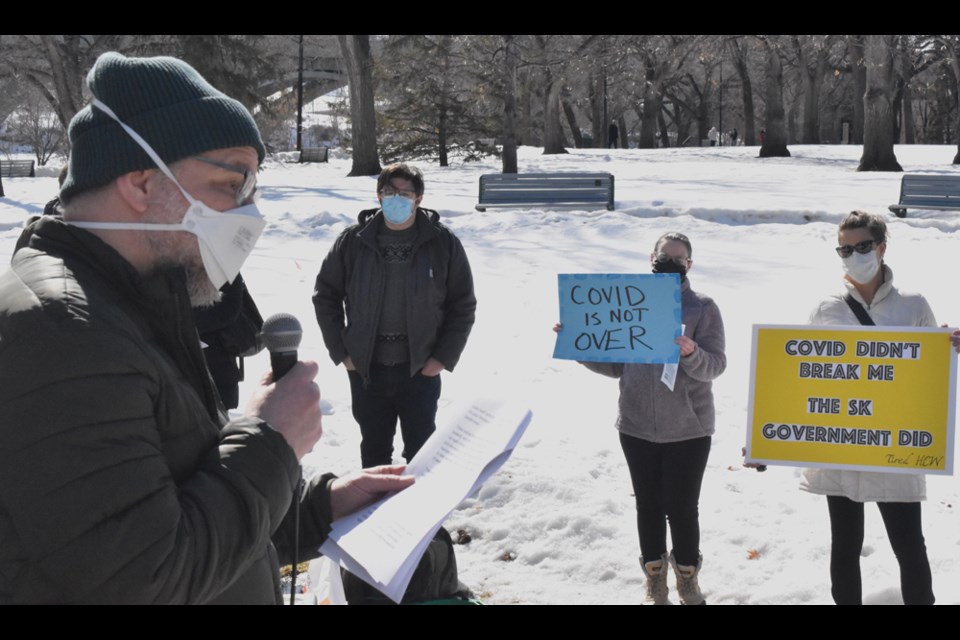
281,333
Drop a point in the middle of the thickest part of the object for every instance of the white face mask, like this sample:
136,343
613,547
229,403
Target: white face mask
861,267
226,238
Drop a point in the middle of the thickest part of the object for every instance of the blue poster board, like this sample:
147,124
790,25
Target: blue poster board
619,317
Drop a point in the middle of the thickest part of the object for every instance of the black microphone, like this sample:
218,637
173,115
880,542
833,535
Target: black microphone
281,335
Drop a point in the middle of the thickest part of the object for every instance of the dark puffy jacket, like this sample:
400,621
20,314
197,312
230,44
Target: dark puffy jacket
120,478
440,300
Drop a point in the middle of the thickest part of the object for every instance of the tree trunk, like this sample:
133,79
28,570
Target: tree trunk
526,133
955,67
553,142
740,64
664,131
443,108
596,110
896,104
509,156
878,138
792,124
572,121
859,87
812,78
909,124
775,138
652,99
363,120
442,132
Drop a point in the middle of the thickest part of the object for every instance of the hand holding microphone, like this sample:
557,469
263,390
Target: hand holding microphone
288,398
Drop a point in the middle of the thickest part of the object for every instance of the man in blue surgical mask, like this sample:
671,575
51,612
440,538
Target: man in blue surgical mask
121,477
394,299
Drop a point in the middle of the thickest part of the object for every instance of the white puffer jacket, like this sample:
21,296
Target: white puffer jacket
890,307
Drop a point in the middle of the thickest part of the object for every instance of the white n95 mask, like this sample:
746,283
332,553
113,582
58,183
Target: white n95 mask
861,267
225,238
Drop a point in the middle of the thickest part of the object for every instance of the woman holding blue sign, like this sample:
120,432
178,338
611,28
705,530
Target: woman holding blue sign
666,422
869,298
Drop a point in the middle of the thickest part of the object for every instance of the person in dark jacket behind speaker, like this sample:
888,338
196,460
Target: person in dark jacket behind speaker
121,480
229,330
394,300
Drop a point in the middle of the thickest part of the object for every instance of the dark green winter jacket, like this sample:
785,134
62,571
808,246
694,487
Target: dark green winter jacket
121,479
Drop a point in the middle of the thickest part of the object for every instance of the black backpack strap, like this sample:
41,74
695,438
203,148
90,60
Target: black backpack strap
859,311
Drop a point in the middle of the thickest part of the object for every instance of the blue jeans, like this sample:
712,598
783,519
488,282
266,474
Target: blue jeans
389,394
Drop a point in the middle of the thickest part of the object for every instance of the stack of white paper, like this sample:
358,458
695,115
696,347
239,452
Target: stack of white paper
383,543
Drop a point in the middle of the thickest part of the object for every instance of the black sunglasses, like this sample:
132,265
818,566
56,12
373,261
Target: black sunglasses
846,250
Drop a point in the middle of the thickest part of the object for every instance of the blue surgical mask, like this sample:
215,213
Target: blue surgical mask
397,209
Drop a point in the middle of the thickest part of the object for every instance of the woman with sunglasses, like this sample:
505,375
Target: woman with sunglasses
869,295
665,433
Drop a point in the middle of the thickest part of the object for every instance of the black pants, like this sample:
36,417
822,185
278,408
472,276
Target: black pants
390,394
666,482
902,521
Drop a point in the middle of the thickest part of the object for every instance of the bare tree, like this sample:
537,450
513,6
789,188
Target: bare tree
35,125
813,57
55,66
878,138
359,62
553,66
775,139
510,105
858,67
740,50
950,46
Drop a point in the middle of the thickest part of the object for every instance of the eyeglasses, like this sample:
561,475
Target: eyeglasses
249,185
845,251
680,260
388,192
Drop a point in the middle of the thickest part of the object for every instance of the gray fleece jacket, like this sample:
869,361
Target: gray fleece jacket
648,409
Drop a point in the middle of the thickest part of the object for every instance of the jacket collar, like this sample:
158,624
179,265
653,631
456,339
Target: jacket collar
882,292
371,221
53,236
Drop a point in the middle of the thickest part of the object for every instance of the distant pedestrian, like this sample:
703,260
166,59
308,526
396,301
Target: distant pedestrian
733,137
713,136
762,136
613,135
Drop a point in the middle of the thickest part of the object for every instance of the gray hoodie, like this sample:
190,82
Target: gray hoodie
648,409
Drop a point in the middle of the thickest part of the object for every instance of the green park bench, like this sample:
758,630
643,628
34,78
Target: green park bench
520,190
17,169
937,192
314,154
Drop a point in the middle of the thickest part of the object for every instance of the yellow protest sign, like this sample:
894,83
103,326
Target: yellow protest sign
865,398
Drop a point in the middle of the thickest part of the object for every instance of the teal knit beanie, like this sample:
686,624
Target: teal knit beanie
163,99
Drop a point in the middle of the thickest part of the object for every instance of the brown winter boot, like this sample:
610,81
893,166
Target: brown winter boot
656,573
688,588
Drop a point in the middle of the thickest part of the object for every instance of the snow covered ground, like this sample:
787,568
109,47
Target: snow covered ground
763,233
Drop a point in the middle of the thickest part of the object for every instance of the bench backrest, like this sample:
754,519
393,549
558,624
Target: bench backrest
17,168
314,154
546,188
935,190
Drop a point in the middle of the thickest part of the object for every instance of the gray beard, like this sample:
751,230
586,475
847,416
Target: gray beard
201,291
180,248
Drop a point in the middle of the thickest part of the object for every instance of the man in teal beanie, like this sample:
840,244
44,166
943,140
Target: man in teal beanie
121,479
